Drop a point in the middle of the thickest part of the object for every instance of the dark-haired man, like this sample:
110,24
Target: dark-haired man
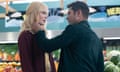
81,49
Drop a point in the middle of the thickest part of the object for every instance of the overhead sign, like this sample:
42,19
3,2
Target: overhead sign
113,10
105,16
15,19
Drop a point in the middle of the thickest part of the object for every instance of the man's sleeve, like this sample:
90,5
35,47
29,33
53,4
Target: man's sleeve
61,41
101,64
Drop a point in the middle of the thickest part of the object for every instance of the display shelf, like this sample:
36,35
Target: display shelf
8,61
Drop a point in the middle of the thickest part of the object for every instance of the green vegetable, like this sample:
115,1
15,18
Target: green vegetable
107,63
118,64
111,68
115,59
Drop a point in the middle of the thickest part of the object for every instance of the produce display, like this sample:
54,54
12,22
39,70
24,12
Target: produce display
9,52
113,61
10,67
9,58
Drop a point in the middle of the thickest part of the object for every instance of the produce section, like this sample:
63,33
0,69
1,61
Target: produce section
10,66
113,62
9,52
9,58
112,55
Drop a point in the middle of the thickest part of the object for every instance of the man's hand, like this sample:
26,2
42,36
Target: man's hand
37,27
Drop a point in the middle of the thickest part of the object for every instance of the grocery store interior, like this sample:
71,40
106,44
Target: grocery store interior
104,19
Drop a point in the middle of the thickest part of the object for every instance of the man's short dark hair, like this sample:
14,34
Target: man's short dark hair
79,5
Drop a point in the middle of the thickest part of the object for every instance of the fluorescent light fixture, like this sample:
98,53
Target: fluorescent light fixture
64,11
7,42
92,10
111,38
4,3
28,1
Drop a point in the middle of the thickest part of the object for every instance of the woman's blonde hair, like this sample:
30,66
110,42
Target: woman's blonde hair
31,16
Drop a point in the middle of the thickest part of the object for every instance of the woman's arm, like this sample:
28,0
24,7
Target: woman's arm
25,48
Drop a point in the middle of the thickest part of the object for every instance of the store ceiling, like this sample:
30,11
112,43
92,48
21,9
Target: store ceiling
7,8
4,4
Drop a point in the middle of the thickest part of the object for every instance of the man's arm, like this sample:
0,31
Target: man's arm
60,41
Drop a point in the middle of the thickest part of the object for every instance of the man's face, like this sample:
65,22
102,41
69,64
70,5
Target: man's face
71,17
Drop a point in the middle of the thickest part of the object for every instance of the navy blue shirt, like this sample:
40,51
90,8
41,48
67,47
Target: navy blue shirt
81,49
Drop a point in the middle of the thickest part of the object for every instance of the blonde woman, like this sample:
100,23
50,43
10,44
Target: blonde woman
34,59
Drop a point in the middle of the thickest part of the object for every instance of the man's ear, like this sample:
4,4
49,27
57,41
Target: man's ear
79,13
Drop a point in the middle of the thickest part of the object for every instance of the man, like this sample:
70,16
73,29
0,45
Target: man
81,49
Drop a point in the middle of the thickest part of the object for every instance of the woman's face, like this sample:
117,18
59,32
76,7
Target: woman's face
42,17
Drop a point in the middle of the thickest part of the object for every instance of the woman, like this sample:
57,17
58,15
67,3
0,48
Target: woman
33,59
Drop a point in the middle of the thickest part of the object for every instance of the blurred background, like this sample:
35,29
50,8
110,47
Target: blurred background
104,18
